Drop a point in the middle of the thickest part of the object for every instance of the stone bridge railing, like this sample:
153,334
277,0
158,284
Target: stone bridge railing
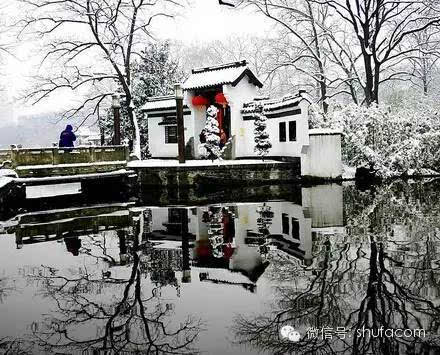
57,156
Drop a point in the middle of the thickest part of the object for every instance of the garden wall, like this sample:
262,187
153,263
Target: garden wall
219,175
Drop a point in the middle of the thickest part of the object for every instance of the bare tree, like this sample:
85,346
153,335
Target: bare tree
91,41
423,62
375,32
304,21
313,44
381,27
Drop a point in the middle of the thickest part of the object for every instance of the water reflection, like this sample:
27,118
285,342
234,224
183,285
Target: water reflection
109,309
334,258
363,285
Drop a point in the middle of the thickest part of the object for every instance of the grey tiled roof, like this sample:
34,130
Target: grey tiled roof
160,103
273,104
230,73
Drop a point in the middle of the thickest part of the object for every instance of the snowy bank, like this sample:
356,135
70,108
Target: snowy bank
6,176
4,181
348,172
157,163
324,131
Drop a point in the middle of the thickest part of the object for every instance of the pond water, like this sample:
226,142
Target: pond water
332,269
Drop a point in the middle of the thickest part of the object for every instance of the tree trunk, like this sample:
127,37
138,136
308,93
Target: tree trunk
323,89
425,85
369,82
353,94
136,149
322,80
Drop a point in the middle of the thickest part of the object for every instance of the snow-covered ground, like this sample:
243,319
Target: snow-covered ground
6,176
324,131
7,173
348,172
4,181
157,163
76,165
53,190
66,177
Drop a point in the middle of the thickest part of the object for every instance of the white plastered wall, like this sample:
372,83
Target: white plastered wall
287,148
237,96
198,120
324,156
156,137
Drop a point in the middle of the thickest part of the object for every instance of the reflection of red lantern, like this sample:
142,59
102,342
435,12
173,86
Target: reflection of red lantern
228,250
199,100
221,99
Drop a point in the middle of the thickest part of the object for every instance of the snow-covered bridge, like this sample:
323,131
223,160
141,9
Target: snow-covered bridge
93,171
54,161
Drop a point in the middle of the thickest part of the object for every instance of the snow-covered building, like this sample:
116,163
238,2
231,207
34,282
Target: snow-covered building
85,136
233,89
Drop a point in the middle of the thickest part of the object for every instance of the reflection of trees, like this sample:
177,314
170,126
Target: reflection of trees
110,313
5,288
14,346
10,345
368,280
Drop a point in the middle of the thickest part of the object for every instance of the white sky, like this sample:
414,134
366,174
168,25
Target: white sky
206,20
201,21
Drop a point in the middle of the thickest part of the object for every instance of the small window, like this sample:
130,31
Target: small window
285,223
292,131
170,134
282,131
295,228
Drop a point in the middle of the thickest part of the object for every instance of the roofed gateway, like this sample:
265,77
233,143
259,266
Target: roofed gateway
234,90
225,74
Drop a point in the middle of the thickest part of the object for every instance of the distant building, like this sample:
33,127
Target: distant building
85,136
233,89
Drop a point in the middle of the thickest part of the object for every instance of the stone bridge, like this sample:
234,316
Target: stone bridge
54,161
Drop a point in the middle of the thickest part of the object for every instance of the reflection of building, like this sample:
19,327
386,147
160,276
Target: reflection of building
224,244
236,237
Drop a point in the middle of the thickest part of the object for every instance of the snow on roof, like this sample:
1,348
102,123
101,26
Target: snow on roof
269,105
324,131
160,103
230,73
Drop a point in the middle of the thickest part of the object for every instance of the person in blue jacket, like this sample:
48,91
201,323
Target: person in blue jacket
67,137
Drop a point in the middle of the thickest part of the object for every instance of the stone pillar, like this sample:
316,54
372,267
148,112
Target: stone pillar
186,266
127,153
14,155
55,156
92,154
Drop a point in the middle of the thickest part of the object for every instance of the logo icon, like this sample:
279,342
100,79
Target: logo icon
289,332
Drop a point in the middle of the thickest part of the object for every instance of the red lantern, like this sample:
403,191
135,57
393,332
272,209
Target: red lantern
221,99
199,100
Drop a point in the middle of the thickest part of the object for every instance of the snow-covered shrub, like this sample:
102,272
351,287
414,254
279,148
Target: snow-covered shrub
403,139
261,137
212,131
